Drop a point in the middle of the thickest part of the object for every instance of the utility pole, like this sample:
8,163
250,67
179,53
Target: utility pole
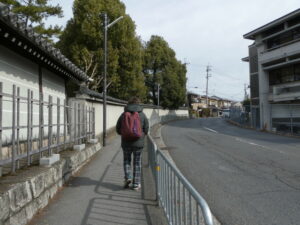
105,28
245,90
104,80
208,69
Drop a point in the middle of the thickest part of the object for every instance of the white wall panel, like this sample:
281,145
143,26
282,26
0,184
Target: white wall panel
19,71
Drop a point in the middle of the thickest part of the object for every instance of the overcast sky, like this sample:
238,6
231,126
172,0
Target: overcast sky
204,32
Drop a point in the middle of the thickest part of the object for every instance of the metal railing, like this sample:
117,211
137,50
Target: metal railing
240,115
182,204
33,128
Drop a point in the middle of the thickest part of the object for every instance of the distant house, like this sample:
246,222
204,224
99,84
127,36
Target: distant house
274,62
215,104
196,101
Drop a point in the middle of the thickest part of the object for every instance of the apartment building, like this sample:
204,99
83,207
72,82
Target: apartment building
274,64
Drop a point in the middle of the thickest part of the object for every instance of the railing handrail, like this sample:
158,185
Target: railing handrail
202,203
208,218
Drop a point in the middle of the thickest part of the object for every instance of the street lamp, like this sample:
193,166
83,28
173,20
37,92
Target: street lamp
106,26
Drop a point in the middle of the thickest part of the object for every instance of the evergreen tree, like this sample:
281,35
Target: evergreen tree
82,42
161,67
34,12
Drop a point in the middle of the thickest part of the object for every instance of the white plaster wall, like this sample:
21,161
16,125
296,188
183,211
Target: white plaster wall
114,111
15,69
112,115
54,86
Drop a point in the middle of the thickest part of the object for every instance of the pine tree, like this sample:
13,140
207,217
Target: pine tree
161,67
34,13
82,41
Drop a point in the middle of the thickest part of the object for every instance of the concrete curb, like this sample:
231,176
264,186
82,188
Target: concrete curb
23,195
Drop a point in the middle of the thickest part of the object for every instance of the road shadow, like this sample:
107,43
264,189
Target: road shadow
114,204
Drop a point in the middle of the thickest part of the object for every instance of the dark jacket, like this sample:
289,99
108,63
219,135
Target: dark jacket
144,123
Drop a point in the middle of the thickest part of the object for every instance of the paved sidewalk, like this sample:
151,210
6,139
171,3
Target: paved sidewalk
96,196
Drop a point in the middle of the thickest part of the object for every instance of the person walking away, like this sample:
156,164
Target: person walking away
132,125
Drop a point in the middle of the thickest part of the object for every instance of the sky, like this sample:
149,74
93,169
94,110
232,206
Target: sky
203,33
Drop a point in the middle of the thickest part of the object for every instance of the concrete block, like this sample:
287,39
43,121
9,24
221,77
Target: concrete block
4,206
30,210
93,141
37,185
48,161
43,200
79,147
53,190
19,218
19,196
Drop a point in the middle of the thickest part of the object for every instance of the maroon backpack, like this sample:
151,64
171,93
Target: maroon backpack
131,129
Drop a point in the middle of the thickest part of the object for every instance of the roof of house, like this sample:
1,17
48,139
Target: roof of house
85,90
20,38
251,35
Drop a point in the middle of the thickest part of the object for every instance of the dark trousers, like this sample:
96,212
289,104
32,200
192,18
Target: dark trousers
137,163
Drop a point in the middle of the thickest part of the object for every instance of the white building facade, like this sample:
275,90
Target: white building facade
274,61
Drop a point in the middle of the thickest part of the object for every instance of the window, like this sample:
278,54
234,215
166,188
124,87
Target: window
283,38
297,72
284,75
294,21
287,74
274,77
273,30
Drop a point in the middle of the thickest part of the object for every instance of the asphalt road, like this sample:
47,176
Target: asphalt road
247,177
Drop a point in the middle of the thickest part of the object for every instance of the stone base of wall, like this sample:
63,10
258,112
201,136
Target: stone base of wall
24,194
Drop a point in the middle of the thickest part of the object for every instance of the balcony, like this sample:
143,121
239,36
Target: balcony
285,92
283,51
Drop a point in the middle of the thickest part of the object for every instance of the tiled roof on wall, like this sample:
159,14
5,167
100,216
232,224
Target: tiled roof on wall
21,38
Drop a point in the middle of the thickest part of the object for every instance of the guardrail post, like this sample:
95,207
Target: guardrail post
65,124
13,129
79,123
41,124
75,122
28,126
58,125
157,174
50,126
18,126
94,123
1,108
89,126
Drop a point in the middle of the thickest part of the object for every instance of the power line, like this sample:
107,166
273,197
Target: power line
219,72
196,65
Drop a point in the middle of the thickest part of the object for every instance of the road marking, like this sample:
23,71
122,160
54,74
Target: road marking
211,130
258,145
